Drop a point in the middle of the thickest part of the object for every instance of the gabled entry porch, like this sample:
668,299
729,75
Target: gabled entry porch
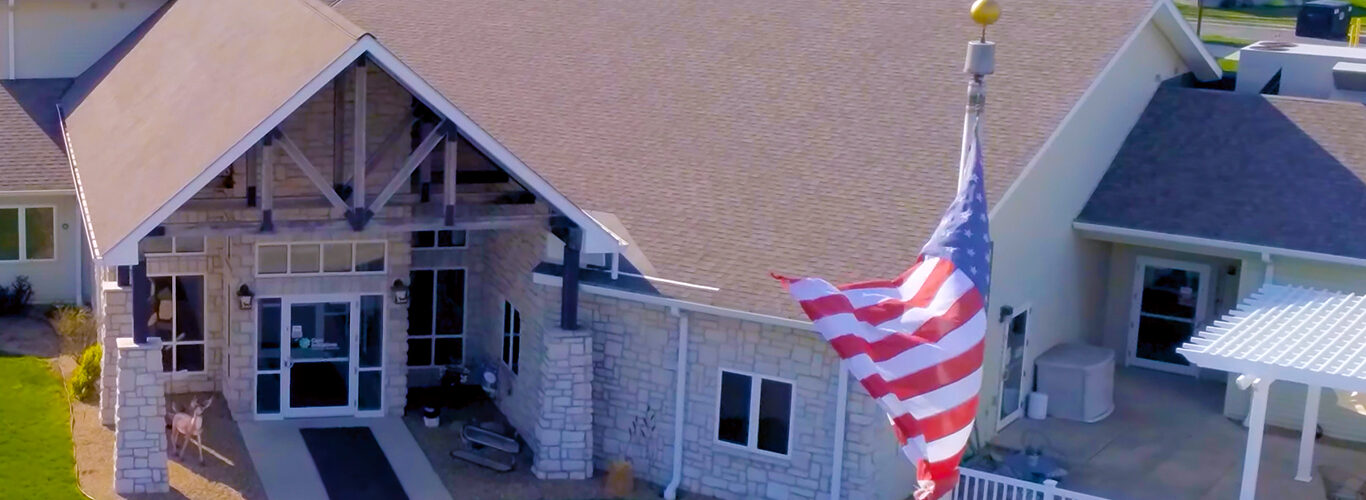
282,210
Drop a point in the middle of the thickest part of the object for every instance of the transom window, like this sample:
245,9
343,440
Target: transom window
446,238
512,336
436,317
28,233
178,318
761,423
172,245
320,258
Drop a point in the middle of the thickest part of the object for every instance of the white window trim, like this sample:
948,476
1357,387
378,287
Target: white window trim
175,321
464,314
755,387
289,255
173,252
23,234
435,239
507,334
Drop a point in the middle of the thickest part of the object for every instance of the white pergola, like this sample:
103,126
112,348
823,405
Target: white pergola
1313,337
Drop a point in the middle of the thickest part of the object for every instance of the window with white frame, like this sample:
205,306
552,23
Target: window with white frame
28,233
320,258
178,318
436,317
512,336
446,238
164,245
754,412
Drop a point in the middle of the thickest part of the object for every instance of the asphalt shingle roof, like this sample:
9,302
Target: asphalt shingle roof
32,156
809,137
1267,170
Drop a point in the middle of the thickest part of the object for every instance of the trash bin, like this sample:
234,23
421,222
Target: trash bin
1325,19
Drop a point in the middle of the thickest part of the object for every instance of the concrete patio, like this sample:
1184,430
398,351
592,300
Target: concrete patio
1168,438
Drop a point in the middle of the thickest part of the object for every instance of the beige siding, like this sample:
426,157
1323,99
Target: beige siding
1041,261
1285,406
61,38
55,280
1119,301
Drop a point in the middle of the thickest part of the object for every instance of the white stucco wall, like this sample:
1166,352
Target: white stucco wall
61,38
53,280
1038,260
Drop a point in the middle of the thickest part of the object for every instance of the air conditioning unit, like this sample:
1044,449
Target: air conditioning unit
1079,380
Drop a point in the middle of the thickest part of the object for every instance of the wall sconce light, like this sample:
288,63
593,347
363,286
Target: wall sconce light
1006,312
244,297
400,292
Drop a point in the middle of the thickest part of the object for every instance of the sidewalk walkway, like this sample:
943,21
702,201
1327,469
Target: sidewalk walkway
287,471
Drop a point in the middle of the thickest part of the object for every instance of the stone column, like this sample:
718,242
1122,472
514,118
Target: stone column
114,318
564,429
140,419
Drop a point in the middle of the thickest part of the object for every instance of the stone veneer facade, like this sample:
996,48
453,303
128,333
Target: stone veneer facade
139,420
576,393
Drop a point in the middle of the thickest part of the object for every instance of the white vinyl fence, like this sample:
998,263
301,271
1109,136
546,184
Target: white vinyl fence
978,485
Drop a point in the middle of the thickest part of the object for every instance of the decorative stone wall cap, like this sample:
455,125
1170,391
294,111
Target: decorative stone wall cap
127,344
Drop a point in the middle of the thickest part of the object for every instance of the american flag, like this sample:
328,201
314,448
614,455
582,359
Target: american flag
916,342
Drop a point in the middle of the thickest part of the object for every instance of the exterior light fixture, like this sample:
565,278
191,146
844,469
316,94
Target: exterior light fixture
400,292
1006,313
244,297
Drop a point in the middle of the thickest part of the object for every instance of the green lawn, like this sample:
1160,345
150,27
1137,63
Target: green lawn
35,437
1231,41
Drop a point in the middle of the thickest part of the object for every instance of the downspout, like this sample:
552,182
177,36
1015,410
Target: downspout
671,491
1270,276
10,46
841,401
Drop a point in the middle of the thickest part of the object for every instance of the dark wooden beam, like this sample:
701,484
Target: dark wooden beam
339,131
405,172
268,183
252,160
450,178
142,300
359,213
569,291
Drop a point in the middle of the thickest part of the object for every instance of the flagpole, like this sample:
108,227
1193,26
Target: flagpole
981,61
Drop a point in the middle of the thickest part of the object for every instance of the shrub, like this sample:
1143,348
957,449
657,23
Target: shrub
76,327
14,299
85,381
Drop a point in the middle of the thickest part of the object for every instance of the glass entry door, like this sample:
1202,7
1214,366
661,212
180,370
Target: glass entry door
1014,373
318,363
320,355
1168,301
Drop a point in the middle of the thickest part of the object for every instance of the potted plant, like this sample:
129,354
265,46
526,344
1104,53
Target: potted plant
620,473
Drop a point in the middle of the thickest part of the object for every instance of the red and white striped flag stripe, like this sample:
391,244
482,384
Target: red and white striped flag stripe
916,342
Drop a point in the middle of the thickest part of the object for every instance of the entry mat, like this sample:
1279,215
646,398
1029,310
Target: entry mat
352,465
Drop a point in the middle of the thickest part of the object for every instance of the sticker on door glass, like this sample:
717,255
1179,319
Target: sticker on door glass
296,331
1186,297
304,342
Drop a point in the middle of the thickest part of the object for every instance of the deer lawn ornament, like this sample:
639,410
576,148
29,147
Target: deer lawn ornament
188,426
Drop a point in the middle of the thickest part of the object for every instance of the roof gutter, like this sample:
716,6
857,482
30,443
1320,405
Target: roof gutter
10,43
1126,235
552,280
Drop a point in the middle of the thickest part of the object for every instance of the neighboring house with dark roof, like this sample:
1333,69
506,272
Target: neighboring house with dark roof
558,194
40,222
1233,191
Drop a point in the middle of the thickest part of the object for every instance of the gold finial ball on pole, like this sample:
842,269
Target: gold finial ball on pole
985,12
